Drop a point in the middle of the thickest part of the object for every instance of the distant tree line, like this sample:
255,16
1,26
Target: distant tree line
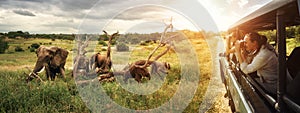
26,35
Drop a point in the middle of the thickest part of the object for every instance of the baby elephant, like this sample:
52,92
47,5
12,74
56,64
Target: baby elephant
132,71
101,62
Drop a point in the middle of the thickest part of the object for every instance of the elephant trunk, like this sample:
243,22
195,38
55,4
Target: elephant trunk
38,66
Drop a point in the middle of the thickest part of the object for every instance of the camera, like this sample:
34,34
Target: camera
242,44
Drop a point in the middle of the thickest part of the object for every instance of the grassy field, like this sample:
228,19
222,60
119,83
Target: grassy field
61,96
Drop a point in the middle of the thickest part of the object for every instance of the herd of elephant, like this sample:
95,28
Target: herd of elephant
53,60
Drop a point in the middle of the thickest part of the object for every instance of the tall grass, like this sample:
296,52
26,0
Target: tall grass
66,96
50,96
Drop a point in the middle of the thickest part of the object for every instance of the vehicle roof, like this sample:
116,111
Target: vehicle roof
265,17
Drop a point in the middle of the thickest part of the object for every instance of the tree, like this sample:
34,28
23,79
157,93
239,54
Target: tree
122,47
19,49
3,45
35,45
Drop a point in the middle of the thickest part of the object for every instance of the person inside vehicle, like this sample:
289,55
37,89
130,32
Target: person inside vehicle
230,41
264,60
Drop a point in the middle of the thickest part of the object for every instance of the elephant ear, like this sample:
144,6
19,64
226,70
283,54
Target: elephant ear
60,57
63,53
39,50
52,51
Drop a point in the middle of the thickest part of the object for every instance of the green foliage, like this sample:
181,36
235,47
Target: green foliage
19,49
26,35
60,96
3,45
144,43
35,45
103,38
271,35
31,49
101,42
14,34
135,38
51,96
122,47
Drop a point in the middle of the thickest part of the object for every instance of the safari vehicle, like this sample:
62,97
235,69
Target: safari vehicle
244,93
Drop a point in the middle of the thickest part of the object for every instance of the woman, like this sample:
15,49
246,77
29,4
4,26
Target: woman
264,60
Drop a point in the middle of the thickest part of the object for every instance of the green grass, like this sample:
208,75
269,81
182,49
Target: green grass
65,96
291,44
51,96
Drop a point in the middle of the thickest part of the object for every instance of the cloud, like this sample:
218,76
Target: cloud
23,12
64,15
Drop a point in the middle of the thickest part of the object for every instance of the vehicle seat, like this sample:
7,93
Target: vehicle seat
293,65
293,89
293,62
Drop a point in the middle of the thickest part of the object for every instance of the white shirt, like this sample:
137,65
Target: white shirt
265,63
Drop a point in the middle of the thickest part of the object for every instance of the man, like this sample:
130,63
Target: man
264,60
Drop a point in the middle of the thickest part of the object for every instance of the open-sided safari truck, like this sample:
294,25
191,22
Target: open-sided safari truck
244,93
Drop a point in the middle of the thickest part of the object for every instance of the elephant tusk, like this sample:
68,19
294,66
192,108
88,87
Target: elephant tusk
35,75
41,70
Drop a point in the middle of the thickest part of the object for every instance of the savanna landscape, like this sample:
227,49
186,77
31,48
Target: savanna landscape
68,95
64,95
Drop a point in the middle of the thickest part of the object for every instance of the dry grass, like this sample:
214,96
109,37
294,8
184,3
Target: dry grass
18,61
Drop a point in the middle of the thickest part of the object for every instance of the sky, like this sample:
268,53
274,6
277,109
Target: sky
135,16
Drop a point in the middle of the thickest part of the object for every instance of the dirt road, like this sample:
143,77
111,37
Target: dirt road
214,98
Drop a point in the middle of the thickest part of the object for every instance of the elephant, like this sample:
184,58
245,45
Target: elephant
53,59
102,62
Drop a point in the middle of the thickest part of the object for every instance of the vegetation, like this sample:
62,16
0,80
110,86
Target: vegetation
35,45
64,96
27,35
293,37
19,49
101,42
122,47
3,45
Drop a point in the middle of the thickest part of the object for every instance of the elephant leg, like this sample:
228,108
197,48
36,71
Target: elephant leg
62,72
138,78
148,76
53,76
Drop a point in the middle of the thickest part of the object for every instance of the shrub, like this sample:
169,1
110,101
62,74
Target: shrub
101,42
122,47
3,45
32,50
103,49
19,49
144,43
35,45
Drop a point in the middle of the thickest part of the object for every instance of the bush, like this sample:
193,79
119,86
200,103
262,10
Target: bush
3,45
19,49
32,50
144,43
101,42
35,45
122,47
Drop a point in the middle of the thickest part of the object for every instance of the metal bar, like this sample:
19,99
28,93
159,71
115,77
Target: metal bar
237,87
291,104
281,35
